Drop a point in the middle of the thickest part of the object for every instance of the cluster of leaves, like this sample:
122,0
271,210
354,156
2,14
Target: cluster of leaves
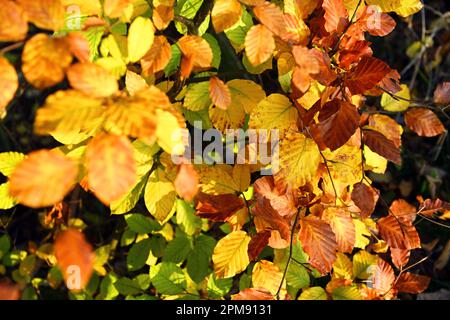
124,77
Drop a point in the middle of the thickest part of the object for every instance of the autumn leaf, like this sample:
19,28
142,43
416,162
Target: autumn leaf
92,79
140,38
160,196
365,197
343,227
378,143
258,243
424,122
336,15
319,242
400,257
230,254
412,283
217,207
13,22
196,51
115,8
253,294
399,232
271,16
442,93
220,93
187,181
376,23
366,75
403,8
157,57
259,44
163,14
383,277
338,121
111,167
9,291
44,60
9,83
75,258
266,275
45,14
225,14
388,126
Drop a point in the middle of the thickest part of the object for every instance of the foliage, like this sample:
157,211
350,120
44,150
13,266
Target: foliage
122,81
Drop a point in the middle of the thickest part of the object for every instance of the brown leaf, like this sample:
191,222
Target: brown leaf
283,202
366,75
429,207
217,207
390,128
79,46
187,181
338,121
258,243
75,258
376,23
319,242
163,14
401,208
378,143
424,122
326,75
400,257
365,197
442,93
263,210
399,232
412,283
220,93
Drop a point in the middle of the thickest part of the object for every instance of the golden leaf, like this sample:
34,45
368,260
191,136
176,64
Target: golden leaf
9,82
13,22
92,79
259,44
45,14
225,14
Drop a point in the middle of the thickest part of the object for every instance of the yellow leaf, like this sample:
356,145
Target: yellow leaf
274,112
362,263
134,82
259,44
44,60
374,162
313,293
13,22
111,167
43,179
160,196
403,8
241,175
299,160
92,79
361,234
169,133
342,267
230,255
140,38
68,112
225,14
9,161
389,103
91,7
115,8
267,275
217,179
9,82
45,14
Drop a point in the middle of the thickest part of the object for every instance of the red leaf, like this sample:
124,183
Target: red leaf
412,283
366,75
401,208
325,76
319,242
365,197
424,122
338,121
258,243
217,207
378,143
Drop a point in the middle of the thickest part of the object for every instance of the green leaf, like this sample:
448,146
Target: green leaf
200,258
143,280
186,218
197,96
5,245
107,289
94,37
141,224
6,201
174,61
187,9
297,276
215,50
126,286
168,278
158,245
346,293
195,117
128,237
217,288
138,254
9,161
178,249
313,293
236,34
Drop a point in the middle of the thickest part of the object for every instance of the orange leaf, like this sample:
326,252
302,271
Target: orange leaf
13,22
220,93
259,44
442,93
383,277
401,208
45,14
186,182
336,16
429,207
399,232
343,227
92,79
9,291
111,167
225,14
378,143
424,122
9,82
270,15
376,23
366,75
115,8
75,258
217,207
390,128
44,60
79,46
338,121
163,14
412,283
285,203
400,257
157,57
319,242
365,197
43,179
197,48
